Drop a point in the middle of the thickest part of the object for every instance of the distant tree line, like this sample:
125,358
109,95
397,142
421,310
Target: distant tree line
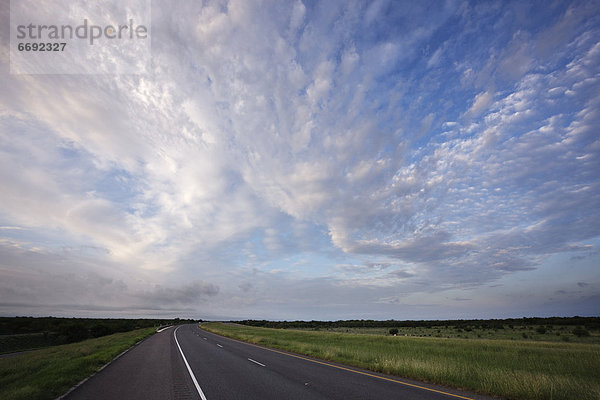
51,330
591,323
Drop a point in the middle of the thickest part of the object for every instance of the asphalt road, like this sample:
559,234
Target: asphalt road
215,368
152,370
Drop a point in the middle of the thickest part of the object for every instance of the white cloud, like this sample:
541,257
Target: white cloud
266,135
435,58
480,104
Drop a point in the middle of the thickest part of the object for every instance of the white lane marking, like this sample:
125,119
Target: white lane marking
200,392
164,329
256,362
204,338
219,345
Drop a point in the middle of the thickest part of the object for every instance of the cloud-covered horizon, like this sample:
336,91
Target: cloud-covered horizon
313,160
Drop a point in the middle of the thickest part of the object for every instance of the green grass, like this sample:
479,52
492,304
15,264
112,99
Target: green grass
50,372
512,369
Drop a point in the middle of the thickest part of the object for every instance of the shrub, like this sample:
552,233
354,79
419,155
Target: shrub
541,330
393,331
580,332
98,330
74,332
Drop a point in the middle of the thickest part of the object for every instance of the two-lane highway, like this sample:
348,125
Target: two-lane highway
187,362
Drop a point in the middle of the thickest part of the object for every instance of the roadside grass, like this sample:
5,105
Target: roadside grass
512,369
51,372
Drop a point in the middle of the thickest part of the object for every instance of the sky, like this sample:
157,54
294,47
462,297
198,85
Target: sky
312,160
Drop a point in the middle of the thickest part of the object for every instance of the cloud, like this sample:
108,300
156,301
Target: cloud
480,104
187,294
74,280
308,139
420,249
517,58
435,58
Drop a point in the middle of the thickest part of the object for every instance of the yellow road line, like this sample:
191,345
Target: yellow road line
355,371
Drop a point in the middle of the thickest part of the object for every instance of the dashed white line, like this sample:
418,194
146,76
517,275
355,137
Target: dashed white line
204,338
256,362
219,345
200,392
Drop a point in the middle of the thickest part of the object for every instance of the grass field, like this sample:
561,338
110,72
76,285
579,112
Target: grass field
512,369
544,333
50,372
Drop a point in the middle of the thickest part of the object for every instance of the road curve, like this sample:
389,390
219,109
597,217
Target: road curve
189,363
